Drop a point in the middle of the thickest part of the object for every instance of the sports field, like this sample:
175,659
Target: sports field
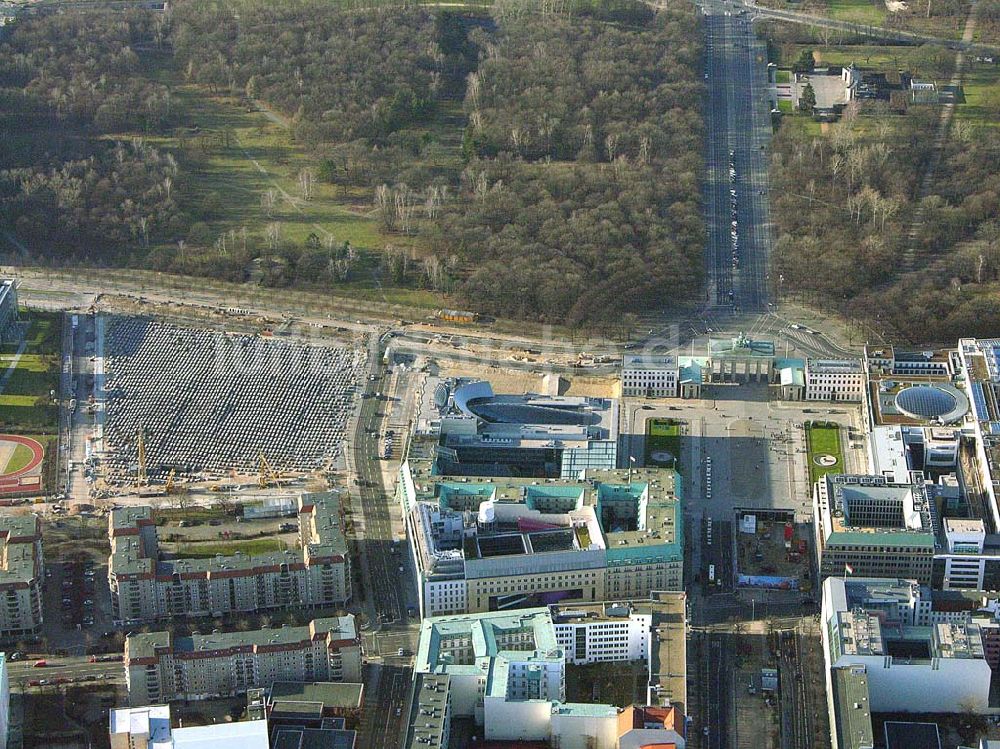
21,460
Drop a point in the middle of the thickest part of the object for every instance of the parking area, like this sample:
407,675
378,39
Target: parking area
77,605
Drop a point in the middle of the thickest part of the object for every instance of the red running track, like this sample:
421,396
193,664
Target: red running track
11,482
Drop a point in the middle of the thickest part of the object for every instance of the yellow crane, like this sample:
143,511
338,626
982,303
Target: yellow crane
140,475
265,475
170,482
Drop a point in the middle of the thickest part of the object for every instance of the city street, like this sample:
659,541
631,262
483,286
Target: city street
739,128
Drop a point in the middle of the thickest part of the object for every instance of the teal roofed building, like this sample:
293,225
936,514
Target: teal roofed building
500,543
871,526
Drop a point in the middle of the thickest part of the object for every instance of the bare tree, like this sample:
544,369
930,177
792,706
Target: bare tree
386,210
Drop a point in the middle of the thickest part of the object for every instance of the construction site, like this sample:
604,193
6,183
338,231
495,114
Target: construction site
170,408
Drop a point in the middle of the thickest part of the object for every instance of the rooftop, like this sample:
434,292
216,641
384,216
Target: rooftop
668,644
251,734
899,735
855,508
20,536
134,548
484,526
147,644
427,711
326,693
151,720
648,361
868,617
852,708
835,366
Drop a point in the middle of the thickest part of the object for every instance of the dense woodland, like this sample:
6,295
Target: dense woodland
65,190
555,144
844,204
342,75
581,197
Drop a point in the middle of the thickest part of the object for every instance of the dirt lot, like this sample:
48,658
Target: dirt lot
74,717
608,683
200,534
764,553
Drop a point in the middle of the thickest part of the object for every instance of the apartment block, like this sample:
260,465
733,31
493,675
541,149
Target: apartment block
160,667
21,575
147,588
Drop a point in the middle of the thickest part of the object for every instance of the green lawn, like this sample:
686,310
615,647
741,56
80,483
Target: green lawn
193,512
34,377
783,76
251,547
858,11
662,435
786,106
19,459
823,438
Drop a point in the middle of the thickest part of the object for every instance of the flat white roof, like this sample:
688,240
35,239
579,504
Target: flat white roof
251,734
150,720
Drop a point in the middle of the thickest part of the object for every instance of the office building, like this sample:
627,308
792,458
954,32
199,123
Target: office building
478,433
646,376
910,667
651,629
494,544
834,380
886,360
148,727
160,667
317,715
146,588
21,576
505,669
874,527
507,672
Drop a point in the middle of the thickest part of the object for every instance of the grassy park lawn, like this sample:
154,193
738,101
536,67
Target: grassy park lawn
786,106
662,435
34,376
858,11
783,76
206,549
823,438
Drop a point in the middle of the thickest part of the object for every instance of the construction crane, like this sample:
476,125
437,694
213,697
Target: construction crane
265,475
140,475
170,482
